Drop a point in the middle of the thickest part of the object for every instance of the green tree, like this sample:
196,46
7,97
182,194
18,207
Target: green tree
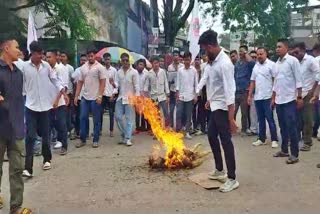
269,19
176,13
225,40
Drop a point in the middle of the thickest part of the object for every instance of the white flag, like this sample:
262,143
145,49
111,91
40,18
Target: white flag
32,32
194,31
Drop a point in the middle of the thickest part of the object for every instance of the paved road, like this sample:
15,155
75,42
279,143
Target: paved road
117,179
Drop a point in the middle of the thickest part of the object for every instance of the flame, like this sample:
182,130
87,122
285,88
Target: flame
175,149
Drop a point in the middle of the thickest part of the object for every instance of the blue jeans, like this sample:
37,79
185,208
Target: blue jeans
264,112
287,116
86,107
184,114
59,123
127,111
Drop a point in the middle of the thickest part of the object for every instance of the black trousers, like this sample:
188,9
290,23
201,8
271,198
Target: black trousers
219,127
37,121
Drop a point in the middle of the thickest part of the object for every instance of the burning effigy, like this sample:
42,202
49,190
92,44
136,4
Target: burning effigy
171,152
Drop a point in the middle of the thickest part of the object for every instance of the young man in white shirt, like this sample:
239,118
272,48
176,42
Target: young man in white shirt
58,113
127,84
219,78
316,125
109,95
262,82
93,78
187,81
172,78
310,70
157,88
287,95
39,79
141,123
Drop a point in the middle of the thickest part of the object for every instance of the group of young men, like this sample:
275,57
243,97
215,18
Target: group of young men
39,92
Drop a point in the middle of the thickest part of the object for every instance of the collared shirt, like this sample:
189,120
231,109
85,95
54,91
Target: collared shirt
111,73
70,70
287,80
242,75
38,86
142,79
172,76
63,75
127,84
263,75
76,76
187,82
12,108
219,77
157,85
19,63
91,76
310,70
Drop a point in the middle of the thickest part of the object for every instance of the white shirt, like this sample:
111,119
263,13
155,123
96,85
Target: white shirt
76,76
63,75
142,79
38,86
187,81
19,63
263,75
127,84
310,70
157,85
287,79
221,86
111,73
172,76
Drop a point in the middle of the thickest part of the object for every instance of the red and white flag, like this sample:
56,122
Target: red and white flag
194,31
32,32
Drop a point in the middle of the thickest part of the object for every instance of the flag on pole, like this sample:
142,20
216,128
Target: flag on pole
32,32
194,31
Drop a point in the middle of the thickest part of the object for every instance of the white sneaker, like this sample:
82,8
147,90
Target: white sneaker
198,133
217,175
46,166
188,136
258,143
275,144
26,174
229,185
58,145
129,143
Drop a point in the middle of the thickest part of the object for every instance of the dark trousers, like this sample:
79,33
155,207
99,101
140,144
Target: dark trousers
77,118
287,116
106,101
184,114
316,116
199,115
69,114
219,128
37,121
141,122
172,105
305,120
58,121
264,112
241,101
88,106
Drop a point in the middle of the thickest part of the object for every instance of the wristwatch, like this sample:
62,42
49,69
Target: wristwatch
299,97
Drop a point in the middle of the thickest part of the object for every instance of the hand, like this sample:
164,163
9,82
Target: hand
249,100
111,81
299,103
314,99
56,103
1,98
273,103
99,100
177,95
66,99
207,105
195,100
233,126
167,100
112,97
75,101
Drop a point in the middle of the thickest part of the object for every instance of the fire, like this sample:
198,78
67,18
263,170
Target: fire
177,155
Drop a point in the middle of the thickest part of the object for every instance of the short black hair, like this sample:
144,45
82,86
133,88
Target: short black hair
176,52
155,58
124,55
64,52
253,52
35,47
209,37
91,51
233,51
106,55
54,51
284,41
142,61
3,40
187,54
244,46
83,55
300,45
316,47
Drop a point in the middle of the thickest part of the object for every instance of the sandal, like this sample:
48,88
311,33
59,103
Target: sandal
292,160
281,154
21,211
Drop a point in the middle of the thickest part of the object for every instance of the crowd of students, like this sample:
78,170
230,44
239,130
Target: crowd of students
45,97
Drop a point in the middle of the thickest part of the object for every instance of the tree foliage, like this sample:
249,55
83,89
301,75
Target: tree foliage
269,19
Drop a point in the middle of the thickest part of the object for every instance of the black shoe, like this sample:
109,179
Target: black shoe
80,144
292,160
281,154
63,152
318,165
